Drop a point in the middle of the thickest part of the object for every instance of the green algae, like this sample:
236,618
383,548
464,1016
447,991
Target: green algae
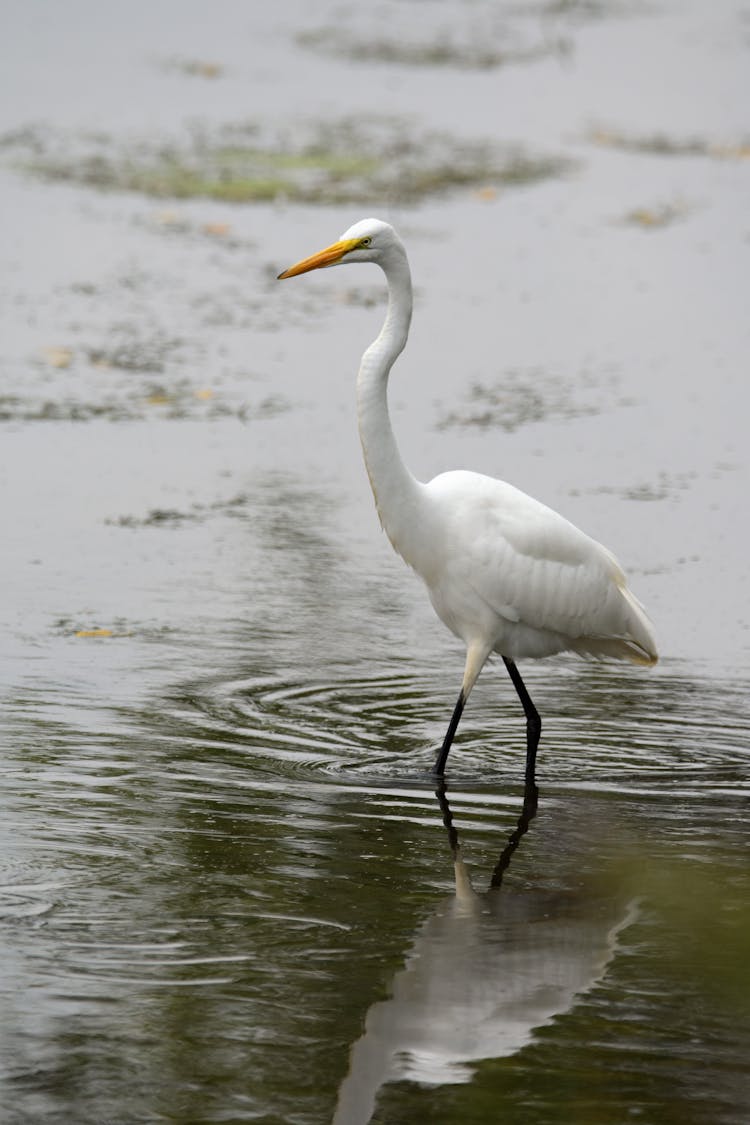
347,162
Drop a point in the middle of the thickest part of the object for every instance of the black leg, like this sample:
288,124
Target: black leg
533,721
439,768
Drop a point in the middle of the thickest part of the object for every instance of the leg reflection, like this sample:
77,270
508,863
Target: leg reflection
445,809
528,812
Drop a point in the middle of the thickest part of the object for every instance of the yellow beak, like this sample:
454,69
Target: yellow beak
327,257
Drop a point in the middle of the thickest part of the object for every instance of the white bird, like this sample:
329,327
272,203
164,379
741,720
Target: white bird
505,573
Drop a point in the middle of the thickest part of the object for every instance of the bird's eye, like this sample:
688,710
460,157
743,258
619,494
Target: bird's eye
365,241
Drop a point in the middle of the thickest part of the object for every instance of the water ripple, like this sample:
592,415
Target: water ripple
602,728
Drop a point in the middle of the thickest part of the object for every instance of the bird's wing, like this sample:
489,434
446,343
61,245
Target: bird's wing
534,568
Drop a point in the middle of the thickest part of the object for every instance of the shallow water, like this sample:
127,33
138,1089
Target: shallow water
228,889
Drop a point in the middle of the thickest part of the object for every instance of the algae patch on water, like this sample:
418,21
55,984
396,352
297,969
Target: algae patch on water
128,378
666,486
235,507
520,397
439,50
662,144
461,37
345,162
466,37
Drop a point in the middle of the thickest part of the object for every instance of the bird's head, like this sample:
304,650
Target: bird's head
369,240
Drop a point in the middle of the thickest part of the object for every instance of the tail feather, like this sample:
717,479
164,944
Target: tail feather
614,648
635,642
640,629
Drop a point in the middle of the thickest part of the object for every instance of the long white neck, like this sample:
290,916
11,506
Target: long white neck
396,492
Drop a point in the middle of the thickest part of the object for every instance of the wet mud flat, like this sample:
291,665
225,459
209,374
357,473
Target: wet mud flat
222,694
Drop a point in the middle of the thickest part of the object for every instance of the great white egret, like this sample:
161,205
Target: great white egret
504,572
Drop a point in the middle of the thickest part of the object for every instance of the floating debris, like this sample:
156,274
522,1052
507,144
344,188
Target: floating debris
652,218
57,357
194,68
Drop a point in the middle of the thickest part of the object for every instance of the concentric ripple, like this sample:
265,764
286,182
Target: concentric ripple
604,727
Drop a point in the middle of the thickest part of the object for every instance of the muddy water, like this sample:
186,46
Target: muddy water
228,889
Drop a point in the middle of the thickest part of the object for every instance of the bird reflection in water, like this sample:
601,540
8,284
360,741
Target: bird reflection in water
485,970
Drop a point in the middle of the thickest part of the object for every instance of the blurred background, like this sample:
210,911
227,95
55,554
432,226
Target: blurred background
227,892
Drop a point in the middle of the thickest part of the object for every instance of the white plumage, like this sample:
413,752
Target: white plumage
504,572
